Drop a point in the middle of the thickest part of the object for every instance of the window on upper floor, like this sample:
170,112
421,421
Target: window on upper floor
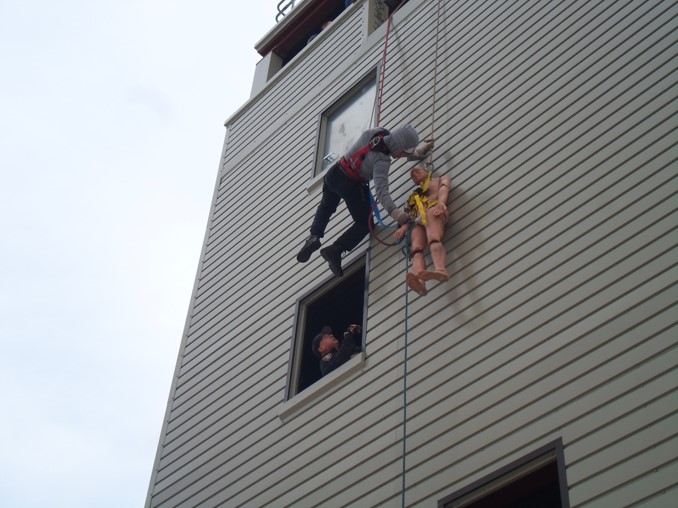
337,303
393,5
345,120
305,24
534,481
302,25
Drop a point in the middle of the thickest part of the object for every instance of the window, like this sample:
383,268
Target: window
534,481
345,120
338,303
307,22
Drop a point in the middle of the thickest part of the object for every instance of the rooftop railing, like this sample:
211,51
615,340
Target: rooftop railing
284,6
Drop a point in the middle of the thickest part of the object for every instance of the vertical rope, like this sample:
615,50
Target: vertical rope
382,76
435,71
407,256
407,291
429,159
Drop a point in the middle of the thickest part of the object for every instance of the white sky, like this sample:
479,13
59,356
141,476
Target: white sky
111,129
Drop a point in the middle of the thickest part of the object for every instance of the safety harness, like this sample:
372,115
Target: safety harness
418,201
352,165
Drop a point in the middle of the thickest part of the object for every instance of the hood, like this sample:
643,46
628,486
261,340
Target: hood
402,138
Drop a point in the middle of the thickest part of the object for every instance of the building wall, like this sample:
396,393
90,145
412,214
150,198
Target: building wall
557,124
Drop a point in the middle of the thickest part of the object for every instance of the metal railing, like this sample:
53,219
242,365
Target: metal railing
283,7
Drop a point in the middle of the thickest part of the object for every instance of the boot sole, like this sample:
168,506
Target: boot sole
306,251
336,269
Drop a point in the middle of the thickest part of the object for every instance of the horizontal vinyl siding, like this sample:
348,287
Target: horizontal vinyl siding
206,411
307,71
557,123
535,204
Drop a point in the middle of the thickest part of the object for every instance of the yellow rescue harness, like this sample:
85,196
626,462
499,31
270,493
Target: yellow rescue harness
418,201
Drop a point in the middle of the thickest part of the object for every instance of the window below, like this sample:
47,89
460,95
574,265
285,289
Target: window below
338,303
345,120
535,481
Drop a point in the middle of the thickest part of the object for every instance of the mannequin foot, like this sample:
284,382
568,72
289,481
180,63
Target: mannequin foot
439,275
416,284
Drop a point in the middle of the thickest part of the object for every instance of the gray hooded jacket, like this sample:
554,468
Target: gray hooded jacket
376,165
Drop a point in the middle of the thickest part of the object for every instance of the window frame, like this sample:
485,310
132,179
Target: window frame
323,118
543,456
360,262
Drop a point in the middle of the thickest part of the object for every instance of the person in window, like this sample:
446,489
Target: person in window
322,27
427,206
333,353
368,158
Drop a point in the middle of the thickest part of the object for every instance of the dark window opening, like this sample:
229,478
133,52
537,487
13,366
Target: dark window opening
393,5
338,304
535,481
307,24
535,490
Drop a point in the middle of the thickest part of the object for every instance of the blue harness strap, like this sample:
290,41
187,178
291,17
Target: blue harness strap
375,212
375,209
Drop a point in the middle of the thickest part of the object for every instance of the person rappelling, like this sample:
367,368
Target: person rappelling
369,158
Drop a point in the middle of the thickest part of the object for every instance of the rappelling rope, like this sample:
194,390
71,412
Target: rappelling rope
435,74
407,292
407,251
382,76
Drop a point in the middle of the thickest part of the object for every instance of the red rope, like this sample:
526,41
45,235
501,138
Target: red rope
370,226
383,70
382,77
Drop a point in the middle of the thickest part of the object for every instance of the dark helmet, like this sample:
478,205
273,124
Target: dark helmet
326,330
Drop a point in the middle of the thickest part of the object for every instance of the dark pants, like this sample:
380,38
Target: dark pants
337,186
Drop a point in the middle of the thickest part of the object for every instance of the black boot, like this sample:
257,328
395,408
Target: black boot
332,255
311,245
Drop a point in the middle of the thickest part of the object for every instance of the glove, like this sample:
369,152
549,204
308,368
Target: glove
400,217
354,329
423,149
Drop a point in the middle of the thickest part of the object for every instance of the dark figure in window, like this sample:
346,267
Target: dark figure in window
333,353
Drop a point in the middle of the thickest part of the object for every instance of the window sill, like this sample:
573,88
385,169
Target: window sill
315,183
322,388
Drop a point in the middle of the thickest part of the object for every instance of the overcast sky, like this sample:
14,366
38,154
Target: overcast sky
111,128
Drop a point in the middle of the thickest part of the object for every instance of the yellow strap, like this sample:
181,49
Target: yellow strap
427,182
419,203
420,207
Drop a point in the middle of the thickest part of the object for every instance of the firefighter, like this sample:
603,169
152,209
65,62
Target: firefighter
369,158
332,352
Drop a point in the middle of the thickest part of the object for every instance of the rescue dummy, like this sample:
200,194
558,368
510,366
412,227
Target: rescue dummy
427,207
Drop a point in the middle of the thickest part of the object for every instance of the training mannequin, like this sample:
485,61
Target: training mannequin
427,207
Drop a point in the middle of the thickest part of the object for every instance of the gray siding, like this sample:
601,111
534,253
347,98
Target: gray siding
557,123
